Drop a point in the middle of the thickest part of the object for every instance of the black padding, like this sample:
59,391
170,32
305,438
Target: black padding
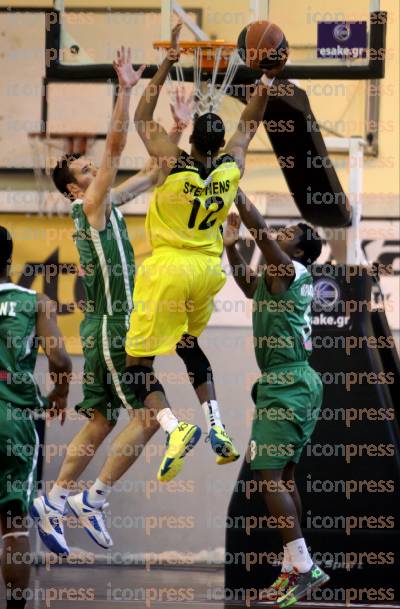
197,365
143,380
301,152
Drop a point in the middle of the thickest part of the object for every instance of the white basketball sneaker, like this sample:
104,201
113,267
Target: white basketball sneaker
91,518
50,525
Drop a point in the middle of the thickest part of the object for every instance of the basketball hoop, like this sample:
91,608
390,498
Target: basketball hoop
210,58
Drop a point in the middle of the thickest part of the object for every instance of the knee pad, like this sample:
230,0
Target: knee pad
197,365
143,380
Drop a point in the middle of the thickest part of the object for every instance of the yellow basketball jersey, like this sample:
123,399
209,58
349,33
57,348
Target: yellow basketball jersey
189,208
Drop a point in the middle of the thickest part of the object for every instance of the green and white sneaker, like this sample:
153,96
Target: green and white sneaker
301,584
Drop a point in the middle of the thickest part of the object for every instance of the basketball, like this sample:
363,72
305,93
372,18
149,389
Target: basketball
263,46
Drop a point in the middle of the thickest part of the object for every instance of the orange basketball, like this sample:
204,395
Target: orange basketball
263,46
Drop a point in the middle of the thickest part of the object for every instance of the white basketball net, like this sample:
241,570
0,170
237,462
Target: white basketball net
207,94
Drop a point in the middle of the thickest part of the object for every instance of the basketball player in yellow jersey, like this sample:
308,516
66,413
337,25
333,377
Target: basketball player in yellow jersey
175,287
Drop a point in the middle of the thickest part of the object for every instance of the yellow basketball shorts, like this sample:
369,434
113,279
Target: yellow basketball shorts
173,295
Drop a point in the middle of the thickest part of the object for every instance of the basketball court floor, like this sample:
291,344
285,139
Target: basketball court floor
101,587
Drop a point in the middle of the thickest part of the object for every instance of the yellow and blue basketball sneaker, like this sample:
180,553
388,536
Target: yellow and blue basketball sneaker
179,443
222,445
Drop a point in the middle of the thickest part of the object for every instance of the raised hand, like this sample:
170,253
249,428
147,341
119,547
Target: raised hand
231,232
173,52
181,109
127,77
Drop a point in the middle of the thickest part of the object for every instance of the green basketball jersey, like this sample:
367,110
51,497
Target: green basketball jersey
18,346
282,322
107,263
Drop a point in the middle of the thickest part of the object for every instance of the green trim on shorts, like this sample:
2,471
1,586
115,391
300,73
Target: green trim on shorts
104,391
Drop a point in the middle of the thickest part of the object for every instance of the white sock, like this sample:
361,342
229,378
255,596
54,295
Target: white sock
98,493
212,414
57,496
287,566
167,420
299,555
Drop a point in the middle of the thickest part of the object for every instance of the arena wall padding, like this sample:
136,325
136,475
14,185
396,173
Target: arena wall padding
349,474
300,149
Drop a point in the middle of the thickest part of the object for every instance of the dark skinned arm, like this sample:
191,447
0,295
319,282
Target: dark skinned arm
242,273
280,271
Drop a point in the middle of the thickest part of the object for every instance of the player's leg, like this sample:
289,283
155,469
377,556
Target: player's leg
16,559
299,574
282,422
158,320
201,377
207,279
283,580
290,482
305,399
88,506
126,448
181,436
48,509
80,452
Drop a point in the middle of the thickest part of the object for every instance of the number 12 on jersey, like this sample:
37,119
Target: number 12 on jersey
208,221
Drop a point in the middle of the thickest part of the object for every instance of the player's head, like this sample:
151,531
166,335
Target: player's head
208,135
6,248
301,242
73,174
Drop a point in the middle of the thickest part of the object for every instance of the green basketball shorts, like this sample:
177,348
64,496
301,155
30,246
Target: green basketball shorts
104,390
19,446
288,399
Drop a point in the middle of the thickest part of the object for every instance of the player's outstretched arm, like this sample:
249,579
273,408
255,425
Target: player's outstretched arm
249,121
142,181
97,195
153,135
148,177
279,265
244,275
52,342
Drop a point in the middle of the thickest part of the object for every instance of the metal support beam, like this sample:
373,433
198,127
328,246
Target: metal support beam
354,254
372,109
259,9
166,19
188,21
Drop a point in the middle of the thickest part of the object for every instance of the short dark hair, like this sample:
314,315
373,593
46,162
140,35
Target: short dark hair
310,242
6,248
62,175
208,133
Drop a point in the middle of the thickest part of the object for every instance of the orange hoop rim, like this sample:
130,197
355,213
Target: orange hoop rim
209,49
189,46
